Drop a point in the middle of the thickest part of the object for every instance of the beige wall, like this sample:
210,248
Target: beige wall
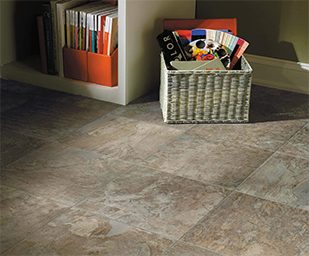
18,29
277,29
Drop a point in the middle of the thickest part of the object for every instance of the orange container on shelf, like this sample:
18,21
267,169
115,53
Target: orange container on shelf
103,69
75,64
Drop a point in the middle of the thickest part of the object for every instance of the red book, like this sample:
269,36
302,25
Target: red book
216,24
100,33
43,56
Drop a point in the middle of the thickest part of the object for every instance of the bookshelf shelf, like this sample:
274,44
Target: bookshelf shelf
138,68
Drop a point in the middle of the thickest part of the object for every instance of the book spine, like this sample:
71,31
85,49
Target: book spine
53,6
106,35
49,39
92,34
87,32
100,35
72,37
76,15
40,25
67,28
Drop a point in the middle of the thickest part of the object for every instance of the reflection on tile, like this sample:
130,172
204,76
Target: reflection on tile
22,213
78,232
222,164
267,135
62,173
14,146
122,138
245,225
45,118
184,249
155,201
299,144
283,179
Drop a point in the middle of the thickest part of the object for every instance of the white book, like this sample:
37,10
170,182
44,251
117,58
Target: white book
113,33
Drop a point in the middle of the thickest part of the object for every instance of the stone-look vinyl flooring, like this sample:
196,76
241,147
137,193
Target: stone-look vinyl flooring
84,177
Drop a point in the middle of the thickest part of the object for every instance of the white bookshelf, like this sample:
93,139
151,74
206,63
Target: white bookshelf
140,21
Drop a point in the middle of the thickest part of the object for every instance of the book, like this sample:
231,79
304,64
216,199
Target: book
63,28
43,57
171,47
101,27
240,48
47,20
54,30
110,34
215,24
214,64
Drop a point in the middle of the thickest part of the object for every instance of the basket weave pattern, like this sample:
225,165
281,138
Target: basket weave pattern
205,96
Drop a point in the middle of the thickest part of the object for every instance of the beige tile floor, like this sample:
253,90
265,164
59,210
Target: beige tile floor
83,177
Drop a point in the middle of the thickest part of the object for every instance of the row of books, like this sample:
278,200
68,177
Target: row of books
78,24
213,41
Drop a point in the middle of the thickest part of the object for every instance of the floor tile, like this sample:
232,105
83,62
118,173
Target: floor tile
11,100
266,135
222,164
51,118
283,179
149,112
298,145
22,213
14,145
62,173
245,225
184,249
155,201
122,138
78,232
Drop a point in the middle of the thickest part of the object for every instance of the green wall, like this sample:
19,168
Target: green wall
277,29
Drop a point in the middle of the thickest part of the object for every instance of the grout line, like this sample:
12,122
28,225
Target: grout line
275,152
272,201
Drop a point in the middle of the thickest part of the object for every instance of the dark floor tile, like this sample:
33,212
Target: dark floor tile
22,213
79,232
11,100
298,145
14,146
283,179
245,225
156,202
224,164
62,173
54,117
149,112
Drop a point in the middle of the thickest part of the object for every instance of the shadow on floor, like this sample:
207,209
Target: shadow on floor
273,105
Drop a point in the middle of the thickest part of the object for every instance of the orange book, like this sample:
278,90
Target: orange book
216,24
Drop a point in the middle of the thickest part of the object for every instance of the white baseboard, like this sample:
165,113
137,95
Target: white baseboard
279,74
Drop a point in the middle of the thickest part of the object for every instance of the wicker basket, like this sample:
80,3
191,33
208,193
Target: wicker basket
198,96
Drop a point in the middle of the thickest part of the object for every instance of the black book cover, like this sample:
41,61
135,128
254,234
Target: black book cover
171,47
48,30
